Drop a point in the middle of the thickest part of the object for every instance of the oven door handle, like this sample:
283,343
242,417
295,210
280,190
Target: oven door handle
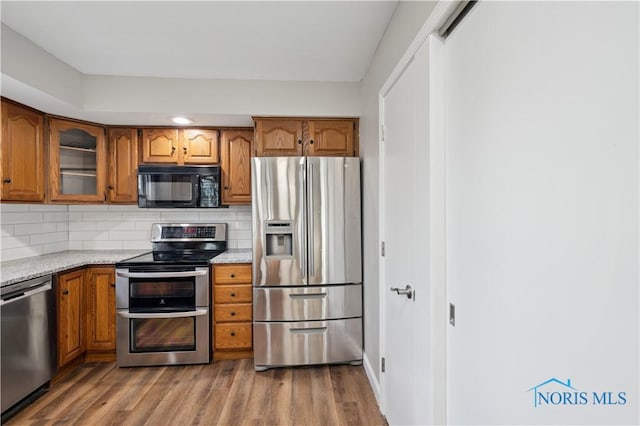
185,314
179,274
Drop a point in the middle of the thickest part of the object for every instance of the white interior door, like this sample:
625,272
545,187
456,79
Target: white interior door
542,135
407,382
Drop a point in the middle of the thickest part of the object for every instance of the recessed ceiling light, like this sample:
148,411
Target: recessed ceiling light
181,120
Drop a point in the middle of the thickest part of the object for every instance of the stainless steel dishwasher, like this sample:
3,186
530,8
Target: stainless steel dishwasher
28,354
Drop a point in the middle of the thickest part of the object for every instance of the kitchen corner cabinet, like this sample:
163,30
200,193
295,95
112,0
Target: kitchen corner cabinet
22,154
235,147
122,184
306,137
180,146
232,311
101,308
77,162
69,294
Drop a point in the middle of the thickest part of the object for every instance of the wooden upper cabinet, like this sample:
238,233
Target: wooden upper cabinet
331,138
122,184
101,308
311,137
236,166
199,146
275,137
160,146
22,154
180,146
77,162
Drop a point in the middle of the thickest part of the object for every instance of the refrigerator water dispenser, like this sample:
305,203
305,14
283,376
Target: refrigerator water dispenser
278,238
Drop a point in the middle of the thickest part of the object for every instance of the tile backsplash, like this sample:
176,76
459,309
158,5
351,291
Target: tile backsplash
32,229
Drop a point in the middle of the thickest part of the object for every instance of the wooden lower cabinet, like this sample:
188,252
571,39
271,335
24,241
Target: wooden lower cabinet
232,311
70,316
101,309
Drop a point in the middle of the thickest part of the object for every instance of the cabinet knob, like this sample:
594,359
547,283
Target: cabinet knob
233,314
311,142
233,275
65,292
233,333
7,180
110,187
299,141
184,148
226,187
233,294
112,285
173,148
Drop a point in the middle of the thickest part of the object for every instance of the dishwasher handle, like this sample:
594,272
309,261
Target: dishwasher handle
42,287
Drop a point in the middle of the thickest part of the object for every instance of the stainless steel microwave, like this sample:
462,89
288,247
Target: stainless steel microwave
178,186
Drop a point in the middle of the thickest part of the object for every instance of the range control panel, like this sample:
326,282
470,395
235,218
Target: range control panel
162,232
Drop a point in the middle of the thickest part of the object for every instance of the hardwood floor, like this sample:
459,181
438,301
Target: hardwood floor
225,392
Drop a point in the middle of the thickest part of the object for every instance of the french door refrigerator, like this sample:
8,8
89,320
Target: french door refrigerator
307,261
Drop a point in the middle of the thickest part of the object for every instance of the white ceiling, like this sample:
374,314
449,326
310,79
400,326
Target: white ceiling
285,41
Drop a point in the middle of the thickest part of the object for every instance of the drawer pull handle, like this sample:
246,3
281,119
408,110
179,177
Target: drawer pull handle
233,333
308,296
233,294
232,275
310,330
233,314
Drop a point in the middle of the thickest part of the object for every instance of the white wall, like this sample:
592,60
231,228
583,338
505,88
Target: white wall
34,229
407,20
542,135
32,76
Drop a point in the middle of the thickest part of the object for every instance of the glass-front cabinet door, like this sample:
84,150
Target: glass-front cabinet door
78,159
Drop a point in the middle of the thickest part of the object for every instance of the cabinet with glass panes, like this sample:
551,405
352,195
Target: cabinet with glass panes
77,161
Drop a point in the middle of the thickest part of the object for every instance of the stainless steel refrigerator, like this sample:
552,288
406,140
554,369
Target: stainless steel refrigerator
307,261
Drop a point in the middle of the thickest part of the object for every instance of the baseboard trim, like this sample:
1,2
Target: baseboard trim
375,385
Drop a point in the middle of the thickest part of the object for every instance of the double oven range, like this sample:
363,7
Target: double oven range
163,297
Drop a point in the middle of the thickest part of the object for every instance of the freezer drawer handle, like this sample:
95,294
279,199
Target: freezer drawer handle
308,296
310,330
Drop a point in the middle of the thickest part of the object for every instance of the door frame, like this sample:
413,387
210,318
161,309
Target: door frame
437,204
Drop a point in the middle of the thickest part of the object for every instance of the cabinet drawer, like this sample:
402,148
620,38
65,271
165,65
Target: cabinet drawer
233,336
308,303
310,342
232,293
232,312
232,274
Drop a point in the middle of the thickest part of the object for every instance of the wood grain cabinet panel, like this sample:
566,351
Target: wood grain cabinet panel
306,137
232,311
123,166
235,147
101,308
330,138
160,146
22,154
278,137
70,316
199,146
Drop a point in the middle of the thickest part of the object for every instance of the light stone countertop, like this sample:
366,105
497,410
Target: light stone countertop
14,271
32,267
234,256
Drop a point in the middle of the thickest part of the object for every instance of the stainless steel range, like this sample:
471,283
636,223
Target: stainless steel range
163,298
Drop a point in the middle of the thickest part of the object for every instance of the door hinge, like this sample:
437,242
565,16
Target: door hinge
382,364
382,133
382,248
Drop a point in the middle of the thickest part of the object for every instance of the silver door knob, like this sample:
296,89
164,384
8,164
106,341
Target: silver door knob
407,291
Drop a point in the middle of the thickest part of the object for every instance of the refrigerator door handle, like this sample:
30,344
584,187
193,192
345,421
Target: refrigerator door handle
304,250
310,225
